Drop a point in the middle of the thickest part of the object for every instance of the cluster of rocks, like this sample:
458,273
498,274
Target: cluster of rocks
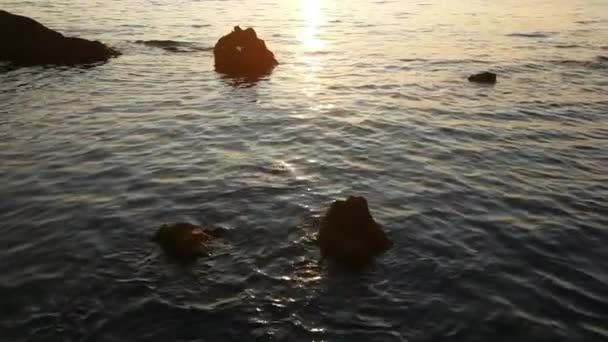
239,54
26,42
348,234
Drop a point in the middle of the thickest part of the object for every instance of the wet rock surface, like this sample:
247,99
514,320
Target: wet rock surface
242,54
26,42
350,235
183,241
484,77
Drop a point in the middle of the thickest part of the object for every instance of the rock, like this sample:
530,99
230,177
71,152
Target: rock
484,77
173,45
242,54
25,42
183,241
349,234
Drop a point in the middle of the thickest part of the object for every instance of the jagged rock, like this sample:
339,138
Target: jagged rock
242,54
183,241
24,42
350,235
484,77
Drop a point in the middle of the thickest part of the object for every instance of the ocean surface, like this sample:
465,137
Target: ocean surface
496,196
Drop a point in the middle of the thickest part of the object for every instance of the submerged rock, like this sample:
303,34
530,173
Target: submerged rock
184,241
173,45
484,77
242,54
24,41
350,235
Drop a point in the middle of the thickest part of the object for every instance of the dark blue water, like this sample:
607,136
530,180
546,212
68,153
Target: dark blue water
495,197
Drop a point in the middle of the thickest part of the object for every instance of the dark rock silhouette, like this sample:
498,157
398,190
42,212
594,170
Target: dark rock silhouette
484,77
183,241
25,42
242,54
349,234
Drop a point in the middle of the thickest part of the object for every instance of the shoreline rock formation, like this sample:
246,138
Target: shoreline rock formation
350,235
26,42
242,54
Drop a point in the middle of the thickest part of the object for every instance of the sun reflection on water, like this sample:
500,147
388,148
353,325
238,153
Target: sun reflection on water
313,17
312,45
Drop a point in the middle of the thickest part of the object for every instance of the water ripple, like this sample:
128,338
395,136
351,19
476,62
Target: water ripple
494,196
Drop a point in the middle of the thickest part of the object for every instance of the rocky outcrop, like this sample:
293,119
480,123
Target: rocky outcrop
484,77
24,42
350,235
183,241
242,54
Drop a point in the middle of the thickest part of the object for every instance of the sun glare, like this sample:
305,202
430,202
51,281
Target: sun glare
313,16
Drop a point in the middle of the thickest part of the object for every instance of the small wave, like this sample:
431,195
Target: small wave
531,34
588,22
601,62
567,46
317,53
278,167
409,60
403,14
458,61
4,67
135,26
173,46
